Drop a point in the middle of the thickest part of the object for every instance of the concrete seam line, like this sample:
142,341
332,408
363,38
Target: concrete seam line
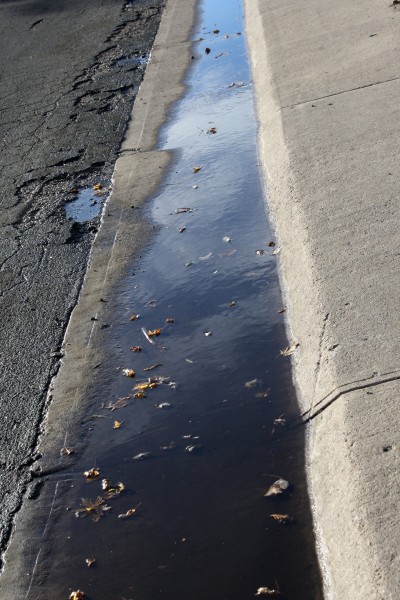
337,393
361,87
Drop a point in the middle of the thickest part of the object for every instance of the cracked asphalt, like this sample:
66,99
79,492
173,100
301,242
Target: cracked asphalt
69,76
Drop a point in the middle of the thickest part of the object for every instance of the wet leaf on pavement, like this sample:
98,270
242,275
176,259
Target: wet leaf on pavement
129,513
207,50
181,229
194,448
232,304
212,130
154,332
184,209
128,372
117,424
290,349
139,395
260,252
226,239
196,169
94,508
271,244
134,317
283,519
92,474
112,489
279,487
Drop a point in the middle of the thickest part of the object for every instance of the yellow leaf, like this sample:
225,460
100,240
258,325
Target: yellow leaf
93,473
153,332
117,424
128,372
78,595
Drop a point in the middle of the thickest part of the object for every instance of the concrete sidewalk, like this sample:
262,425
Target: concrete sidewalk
327,79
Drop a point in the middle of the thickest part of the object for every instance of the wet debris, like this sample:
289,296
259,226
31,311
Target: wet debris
208,333
231,304
94,508
260,252
281,310
136,348
170,320
236,84
190,436
216,31
67,451
194,448
142,456
152,367
253,383
131,512
212,130
282,519
111,489
78,595
206,256
184,209
226,239
276,251
90,562
163,405
207,50
281,421
170,446
120,403
265,591
154,332
290,349
134,317
271,244
181,229
279,487
196,169
128,373
92,474
118,424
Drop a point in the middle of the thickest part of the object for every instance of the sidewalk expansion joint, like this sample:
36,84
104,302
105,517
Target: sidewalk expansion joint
361,87
341,390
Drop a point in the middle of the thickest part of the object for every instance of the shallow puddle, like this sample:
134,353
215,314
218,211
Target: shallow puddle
209,445
86,204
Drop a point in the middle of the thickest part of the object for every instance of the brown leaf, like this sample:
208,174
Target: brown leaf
90,562
78,595
94,508
153,332
97,186
134,317
129,513
280,486
290,349
92,474
264,591
128,373
139,395
67,451
283,519
136,348
212,130
196,169
112,489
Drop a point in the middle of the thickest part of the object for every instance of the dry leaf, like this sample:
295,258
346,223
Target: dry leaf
136,348
276,251
283,519
153,332
280,486
67,451
142,455
120,403
290,349
78,595
93,473
117,424
90,561
128,372
134,317
196,169
264,591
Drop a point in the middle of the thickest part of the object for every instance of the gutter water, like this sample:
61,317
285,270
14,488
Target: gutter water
197,453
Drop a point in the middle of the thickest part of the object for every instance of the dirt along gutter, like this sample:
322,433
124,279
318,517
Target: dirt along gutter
327,92
123,232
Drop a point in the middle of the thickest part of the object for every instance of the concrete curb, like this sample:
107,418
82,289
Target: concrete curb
327,93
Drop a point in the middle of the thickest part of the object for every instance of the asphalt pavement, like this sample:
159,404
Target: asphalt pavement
70,72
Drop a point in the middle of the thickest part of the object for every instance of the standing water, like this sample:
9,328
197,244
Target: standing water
198,444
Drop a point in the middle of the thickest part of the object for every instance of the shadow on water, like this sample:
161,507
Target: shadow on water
203,527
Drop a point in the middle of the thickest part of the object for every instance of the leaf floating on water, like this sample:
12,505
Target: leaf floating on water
117,424
182,229
276,251
147,337
236,84
280,421
142,386
97,186
134,317
136,348
112,489
196,169
216,31
142,455
208,333
92,474
290,349
120,403
280,486
229,252
94,508
129,513
226,239
139,395
212,130
271,244
78,595
207,50
283,519
128,373
264,591
232,304
206,256
253,383
183,210
260,252
67,451
90,562
154,332
163,405
169,320
281,310
152,367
